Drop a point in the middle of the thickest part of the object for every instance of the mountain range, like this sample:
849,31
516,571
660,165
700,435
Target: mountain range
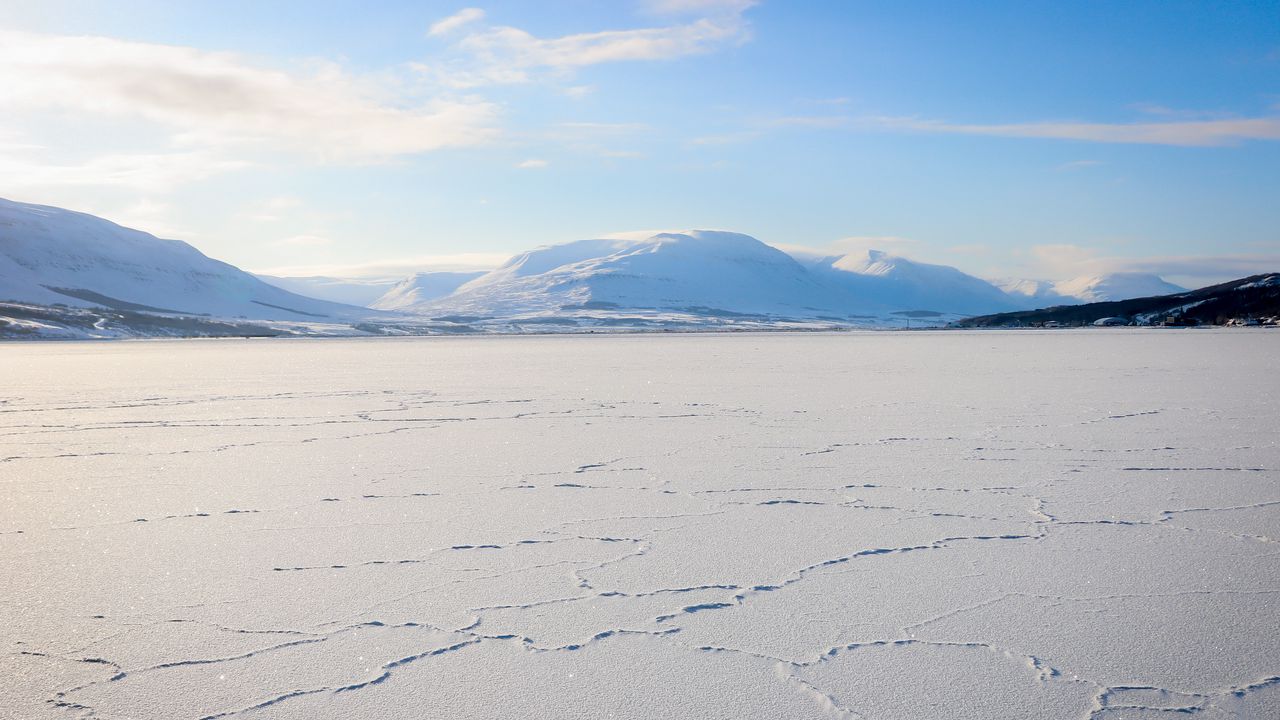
51,257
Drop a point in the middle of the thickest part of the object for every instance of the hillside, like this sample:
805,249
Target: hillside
51,256
1256,296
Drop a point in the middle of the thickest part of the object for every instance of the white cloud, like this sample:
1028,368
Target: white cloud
502,54
219,99
153,173
1065,260
698,7
453,22
1182,132
531,163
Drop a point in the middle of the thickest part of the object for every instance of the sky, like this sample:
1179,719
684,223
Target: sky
1009,138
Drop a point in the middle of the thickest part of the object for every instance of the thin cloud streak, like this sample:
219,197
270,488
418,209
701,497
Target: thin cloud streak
1198,133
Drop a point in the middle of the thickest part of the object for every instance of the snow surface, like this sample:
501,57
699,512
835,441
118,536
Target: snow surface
49,255
863,525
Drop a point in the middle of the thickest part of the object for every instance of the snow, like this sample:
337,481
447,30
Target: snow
711,272
421,287
715,270
857,525
909,285
1116,286
1086,289
49,256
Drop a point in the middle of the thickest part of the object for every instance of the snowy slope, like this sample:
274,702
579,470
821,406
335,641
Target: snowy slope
1116,286
1032,293
909,285
362,292
49,255
1086,289
708,271
421,287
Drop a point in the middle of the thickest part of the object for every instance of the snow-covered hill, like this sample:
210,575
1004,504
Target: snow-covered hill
420,288
699,271
49,256
908,285
1086,289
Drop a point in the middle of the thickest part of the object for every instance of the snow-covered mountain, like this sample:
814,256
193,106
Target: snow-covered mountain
420,288
909,285
361,292
1116,286
1086,289
49,256
712,273
700,271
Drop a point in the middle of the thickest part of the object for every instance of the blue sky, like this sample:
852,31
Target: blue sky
1025,138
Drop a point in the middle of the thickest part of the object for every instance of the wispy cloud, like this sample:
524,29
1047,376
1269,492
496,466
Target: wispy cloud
1065,260
531,164
502,54
447,25
156,173
214,98
698,7
1189,133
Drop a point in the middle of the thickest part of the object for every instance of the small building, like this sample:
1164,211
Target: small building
1111,322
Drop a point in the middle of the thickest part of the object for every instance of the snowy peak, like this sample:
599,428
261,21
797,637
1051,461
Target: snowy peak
1116,286
53,256
909,285
1086,289
704,269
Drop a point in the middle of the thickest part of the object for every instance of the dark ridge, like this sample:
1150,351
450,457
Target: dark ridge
1256,296
281,307
113,303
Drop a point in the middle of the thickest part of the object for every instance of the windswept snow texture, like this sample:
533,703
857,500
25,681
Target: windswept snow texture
859,525
49,255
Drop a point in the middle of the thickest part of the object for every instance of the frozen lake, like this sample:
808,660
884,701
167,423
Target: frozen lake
1071,524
